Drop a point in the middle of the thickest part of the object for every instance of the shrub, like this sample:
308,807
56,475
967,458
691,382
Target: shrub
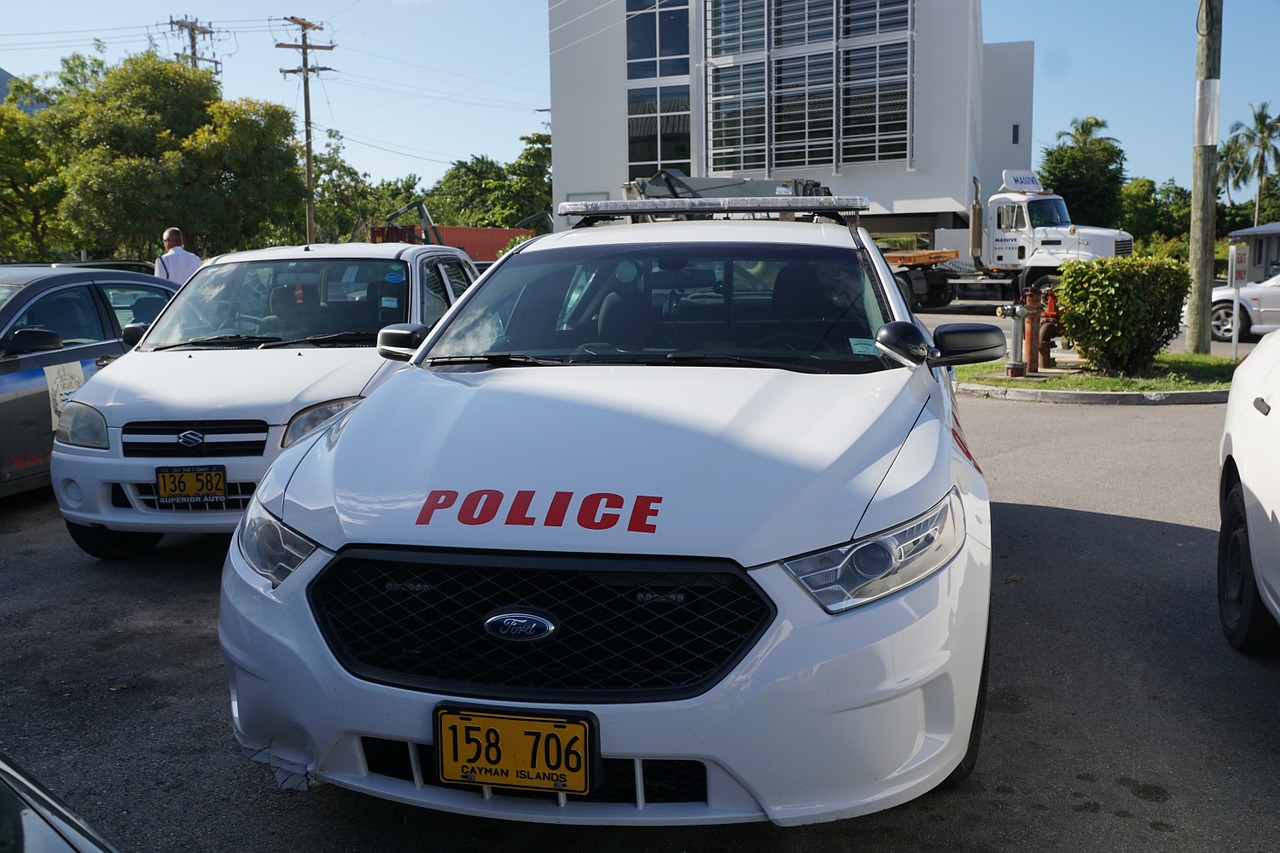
1119,313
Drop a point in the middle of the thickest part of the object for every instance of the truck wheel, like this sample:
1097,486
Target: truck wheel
112,544
1046,282
908,292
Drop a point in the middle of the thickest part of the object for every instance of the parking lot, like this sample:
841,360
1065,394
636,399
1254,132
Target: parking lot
1118,717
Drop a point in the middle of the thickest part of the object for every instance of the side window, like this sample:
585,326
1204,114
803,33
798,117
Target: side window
459,278
435,300
134,303
70,312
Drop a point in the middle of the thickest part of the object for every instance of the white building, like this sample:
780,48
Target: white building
897,100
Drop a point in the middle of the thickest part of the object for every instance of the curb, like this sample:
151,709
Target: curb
1112,398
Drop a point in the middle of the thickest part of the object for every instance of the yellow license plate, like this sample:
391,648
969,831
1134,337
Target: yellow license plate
531,752
191,484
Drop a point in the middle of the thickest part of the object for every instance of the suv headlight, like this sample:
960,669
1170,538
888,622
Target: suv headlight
272,549
867,569
82,426
308,420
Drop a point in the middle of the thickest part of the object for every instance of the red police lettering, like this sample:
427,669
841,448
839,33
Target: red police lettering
595,511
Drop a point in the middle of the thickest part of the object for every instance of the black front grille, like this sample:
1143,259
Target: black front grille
152,439
1124,248
628,629
238,497
662,781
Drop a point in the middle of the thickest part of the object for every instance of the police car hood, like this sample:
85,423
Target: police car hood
749,464
270,385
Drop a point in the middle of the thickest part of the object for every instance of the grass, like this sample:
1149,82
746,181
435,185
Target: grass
1172,371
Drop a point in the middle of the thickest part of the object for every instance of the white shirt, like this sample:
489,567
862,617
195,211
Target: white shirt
177,264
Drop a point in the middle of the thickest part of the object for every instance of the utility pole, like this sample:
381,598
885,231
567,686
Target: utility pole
1204,173
194,29
306,71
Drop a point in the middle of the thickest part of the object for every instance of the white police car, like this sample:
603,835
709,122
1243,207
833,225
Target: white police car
1249,500
665,523
255,351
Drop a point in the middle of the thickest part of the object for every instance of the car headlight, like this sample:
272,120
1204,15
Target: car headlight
308,420
82,426
873,567
272,549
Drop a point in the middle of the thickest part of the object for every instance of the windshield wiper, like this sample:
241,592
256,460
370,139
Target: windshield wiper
494,359
742,361
331,338
218,339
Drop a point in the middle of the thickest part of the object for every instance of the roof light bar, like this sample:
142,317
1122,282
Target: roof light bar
671,206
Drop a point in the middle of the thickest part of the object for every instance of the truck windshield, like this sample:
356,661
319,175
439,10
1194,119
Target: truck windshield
709,303
249,302
1048,212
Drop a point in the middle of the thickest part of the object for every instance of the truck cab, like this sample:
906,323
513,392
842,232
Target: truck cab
1029,233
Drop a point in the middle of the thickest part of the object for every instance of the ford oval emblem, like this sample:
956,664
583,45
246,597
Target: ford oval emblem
519,626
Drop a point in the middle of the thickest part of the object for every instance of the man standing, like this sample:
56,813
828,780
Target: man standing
176,264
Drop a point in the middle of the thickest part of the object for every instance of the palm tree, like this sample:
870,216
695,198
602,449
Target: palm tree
1084,132
1259,141
1231,162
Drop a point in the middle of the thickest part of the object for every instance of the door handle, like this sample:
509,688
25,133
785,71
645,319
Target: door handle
104,360
1262,405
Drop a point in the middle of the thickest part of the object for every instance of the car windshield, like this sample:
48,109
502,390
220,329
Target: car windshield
731,304
1048,212
253,302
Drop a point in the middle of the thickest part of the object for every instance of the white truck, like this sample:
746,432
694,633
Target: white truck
1023,239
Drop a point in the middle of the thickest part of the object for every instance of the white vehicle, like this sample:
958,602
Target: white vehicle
256,350
665,523
1261,309
1249,501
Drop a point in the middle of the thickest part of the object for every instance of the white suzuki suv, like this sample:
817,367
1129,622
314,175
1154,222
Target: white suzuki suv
666,522
254,352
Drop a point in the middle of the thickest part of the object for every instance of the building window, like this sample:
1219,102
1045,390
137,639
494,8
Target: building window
658,134
1016,128
838,89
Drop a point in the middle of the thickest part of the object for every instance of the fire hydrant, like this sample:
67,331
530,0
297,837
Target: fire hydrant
1049,329
1031,300
1013,367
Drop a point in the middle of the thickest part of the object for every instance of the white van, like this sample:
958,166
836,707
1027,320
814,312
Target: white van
256,350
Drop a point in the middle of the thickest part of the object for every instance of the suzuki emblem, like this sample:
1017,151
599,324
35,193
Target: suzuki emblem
191,438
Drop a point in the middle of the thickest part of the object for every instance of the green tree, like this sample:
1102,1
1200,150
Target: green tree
526,192
1089,178
1174,205
461,196
149,143
1231,162
1140,212
1259,140
1084,132
30,190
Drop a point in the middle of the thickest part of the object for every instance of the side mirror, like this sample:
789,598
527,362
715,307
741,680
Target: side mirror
399,341
967,343
25,341
953,343
133,333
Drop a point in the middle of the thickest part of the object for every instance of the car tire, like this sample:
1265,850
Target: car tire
1247,624
964,769
1220,322
112,544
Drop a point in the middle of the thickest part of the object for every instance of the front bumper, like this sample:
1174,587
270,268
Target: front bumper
101,487
826,717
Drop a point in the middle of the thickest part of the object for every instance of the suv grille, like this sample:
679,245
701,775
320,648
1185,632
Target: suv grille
628,629
215,438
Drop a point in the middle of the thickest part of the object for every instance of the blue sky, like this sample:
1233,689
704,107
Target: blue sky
418,84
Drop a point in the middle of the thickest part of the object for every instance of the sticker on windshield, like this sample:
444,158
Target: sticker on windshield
394,277
863,346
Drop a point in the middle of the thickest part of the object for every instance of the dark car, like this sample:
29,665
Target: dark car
58,326
31,818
